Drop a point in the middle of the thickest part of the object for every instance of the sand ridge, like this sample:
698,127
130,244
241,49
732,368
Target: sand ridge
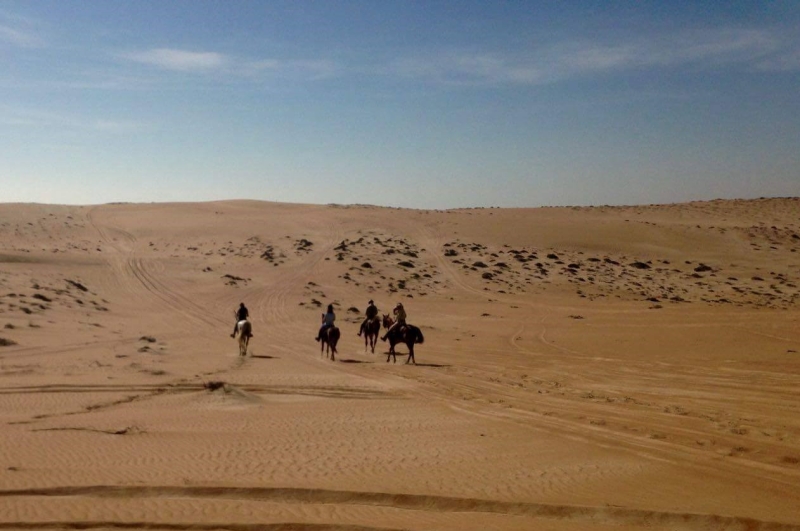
583,368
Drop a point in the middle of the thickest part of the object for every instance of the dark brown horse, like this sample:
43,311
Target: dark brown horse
407,334
328,340
372,329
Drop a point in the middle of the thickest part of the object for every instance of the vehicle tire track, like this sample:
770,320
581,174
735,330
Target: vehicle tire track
413,502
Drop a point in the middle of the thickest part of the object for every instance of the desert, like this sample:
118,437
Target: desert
610,367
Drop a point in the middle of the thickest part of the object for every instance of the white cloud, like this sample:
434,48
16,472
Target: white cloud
297,69
234,67
787,61
736,48
714,47
180,60
37,118
19,37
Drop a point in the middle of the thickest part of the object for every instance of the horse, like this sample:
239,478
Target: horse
408,334
328,340
245,331
372,329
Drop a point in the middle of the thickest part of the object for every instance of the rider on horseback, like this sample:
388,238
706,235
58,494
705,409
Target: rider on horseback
327,321
372,313
241,315
400,316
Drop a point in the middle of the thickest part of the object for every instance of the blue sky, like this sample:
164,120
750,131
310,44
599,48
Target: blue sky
434,104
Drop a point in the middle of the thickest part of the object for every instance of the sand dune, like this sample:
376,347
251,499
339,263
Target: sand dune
583,368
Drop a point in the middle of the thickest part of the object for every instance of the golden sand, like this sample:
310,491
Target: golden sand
604,368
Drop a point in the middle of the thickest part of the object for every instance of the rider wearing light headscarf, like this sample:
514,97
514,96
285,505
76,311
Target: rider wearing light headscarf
400,316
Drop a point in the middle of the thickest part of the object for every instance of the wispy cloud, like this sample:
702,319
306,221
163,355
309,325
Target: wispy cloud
180,60
715,47
296,69
18,117
234,67
23,38
786,61
741,48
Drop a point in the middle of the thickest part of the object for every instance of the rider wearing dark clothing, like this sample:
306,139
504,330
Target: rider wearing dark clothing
371,313
241,315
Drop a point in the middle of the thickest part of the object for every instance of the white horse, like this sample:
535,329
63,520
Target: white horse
245,331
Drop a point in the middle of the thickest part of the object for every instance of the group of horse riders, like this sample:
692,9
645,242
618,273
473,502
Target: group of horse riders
329,317
371,313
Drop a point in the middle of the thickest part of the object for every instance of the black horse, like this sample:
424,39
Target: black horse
329,339
372,329
407,334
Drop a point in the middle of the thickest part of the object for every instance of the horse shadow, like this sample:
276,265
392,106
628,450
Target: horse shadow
343,360
434,365
265,357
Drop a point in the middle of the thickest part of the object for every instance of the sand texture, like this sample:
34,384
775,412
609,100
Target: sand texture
605,368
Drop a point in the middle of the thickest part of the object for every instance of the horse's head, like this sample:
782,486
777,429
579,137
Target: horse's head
387,321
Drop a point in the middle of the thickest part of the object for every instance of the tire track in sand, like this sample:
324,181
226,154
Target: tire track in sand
131,267
412,502
484,384
272,301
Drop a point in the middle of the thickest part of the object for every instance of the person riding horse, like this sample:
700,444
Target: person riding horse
327,321
241,315
400,316
371,313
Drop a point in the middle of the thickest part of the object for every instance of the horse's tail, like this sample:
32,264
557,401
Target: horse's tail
333,335
418,337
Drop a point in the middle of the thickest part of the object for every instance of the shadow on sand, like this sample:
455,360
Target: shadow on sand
343,360
265,357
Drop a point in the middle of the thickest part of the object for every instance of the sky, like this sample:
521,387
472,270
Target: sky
417,104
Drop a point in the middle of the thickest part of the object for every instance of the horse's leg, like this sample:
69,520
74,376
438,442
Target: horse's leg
411,354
